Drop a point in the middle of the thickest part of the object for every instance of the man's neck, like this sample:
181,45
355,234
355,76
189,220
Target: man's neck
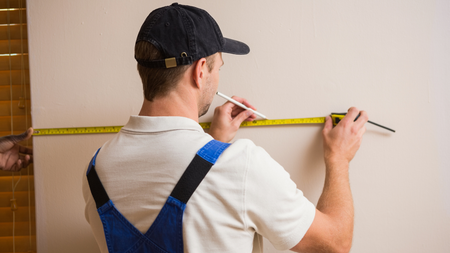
174,104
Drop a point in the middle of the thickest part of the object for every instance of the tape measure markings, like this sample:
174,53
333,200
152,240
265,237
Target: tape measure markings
77,130
336,117
204,125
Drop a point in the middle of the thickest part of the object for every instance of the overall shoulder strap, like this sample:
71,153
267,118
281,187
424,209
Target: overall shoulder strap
205,158
96,186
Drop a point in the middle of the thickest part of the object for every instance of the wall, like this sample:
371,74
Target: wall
307,59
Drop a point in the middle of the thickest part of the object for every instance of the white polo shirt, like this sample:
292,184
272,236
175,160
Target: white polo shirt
245,195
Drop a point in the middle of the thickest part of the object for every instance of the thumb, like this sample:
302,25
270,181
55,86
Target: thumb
21,137
242,116
29,133
328,124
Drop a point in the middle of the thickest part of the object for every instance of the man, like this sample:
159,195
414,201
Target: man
134,179
14,157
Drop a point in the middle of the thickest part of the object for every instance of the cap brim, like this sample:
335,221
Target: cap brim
234,47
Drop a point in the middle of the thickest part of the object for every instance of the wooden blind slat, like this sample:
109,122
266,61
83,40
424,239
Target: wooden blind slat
12,4
5,183
21,198
21,214
22,244
24,172
5,108
21,229
17,77
20,123
5,92
14,32
17,46
17,62
15,17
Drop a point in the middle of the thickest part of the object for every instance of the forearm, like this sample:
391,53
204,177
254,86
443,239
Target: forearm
332,228
336,203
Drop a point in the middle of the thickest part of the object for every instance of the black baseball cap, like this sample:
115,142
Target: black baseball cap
184,34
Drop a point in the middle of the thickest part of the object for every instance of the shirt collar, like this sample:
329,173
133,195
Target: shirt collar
158,124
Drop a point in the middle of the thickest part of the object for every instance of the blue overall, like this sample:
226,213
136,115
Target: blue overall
166,232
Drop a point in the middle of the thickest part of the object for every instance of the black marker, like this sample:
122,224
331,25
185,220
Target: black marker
344,113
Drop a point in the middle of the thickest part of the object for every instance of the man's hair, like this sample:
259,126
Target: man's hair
158,82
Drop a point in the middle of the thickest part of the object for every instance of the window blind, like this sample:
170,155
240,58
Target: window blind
17,202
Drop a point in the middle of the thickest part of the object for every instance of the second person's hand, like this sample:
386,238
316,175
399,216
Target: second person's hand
14,157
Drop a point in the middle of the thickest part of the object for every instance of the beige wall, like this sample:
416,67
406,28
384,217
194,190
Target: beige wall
307,59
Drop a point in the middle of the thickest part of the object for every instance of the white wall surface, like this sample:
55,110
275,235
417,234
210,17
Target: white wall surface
307,59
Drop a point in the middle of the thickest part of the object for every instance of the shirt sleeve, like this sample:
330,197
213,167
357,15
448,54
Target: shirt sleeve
274,206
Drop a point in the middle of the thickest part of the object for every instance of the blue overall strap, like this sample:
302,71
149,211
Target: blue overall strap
205,158
166,232
97,190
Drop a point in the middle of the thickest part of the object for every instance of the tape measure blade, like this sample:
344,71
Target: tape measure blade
40,132
274,122
77,130
204,125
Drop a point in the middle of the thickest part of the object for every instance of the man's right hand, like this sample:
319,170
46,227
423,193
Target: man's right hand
342,142
228,118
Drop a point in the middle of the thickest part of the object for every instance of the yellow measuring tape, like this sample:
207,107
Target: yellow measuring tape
206,125
275,122
336,117
77,130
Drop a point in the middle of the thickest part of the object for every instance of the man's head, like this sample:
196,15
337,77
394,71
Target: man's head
171,39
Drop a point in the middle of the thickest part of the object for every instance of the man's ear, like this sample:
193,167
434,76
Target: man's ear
199,72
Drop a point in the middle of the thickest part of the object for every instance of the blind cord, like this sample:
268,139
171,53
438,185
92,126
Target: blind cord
13,206
24,95
23,105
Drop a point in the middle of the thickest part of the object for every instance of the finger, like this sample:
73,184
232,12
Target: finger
19,163
362,119
241,117
231,109
26,161
244,102
224,110
362,131
328,125
20,137
9,162
17,166
29,133
226,105
351,115
236,111
25,150
252,117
